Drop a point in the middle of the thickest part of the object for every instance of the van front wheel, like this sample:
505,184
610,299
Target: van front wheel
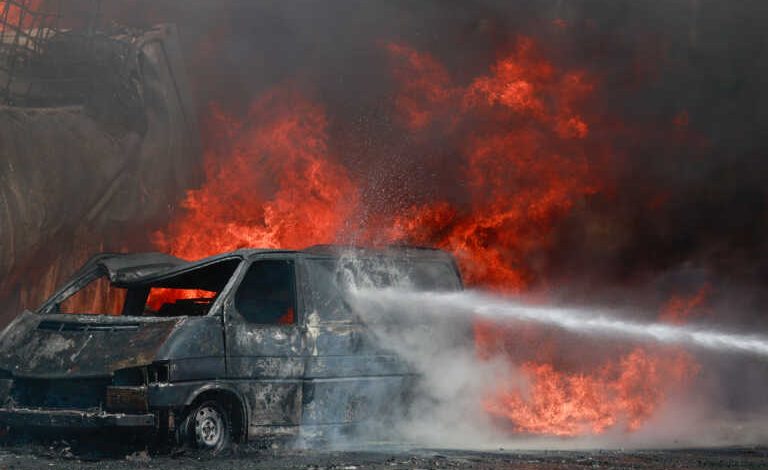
207,426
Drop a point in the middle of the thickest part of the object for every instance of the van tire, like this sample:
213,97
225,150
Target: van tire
207,426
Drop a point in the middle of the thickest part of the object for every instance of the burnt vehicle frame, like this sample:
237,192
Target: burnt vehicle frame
233,370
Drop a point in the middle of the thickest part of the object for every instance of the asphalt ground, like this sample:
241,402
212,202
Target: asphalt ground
63,455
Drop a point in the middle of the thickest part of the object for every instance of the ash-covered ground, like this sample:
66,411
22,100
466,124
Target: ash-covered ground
61,454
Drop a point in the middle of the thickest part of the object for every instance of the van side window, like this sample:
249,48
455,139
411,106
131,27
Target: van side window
267,295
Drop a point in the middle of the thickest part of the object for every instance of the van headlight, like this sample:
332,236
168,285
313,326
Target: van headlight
128,392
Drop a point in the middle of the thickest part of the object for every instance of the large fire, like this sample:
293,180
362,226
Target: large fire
528,159
270,183
525,165
625,392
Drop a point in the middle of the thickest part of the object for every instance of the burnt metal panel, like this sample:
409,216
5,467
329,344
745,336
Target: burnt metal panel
79,393
266,361
75,350
334,339
195,337
263,360
354,366
350,400
174,395
198,368
125,268
179,394
251,340
264,367
272,403
127,399
30,417
268,402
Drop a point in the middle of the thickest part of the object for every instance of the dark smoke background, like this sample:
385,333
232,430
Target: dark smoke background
681,96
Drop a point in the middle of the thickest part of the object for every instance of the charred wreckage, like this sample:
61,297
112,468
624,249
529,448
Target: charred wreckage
243,345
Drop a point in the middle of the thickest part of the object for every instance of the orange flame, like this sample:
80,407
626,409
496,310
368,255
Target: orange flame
622,392
426,85
523,170
527,168
270,182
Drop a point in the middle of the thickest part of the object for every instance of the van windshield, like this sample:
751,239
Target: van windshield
189,293
99,296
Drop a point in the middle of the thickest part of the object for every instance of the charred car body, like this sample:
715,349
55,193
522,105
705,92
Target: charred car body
241,345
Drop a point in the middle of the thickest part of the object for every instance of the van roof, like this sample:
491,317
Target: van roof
129,268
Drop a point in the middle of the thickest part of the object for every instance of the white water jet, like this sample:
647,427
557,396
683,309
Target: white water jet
590,322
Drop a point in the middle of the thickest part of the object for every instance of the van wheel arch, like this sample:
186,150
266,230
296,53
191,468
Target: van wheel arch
232,403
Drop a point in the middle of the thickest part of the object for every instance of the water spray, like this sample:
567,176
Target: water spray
580,320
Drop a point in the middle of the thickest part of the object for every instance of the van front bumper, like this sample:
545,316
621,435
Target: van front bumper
52,418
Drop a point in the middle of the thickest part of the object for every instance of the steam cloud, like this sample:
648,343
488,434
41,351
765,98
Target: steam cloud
430,331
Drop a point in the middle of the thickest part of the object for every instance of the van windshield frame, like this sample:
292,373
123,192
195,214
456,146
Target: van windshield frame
191,291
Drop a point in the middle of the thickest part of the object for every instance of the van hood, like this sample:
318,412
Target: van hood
63,345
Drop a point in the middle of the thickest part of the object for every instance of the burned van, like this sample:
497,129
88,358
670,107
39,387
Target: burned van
233,347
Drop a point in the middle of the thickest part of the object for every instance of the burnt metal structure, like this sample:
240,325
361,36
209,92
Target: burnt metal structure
98,128
275,350
25,30
43,62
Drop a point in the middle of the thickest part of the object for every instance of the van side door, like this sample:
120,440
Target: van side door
264,342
